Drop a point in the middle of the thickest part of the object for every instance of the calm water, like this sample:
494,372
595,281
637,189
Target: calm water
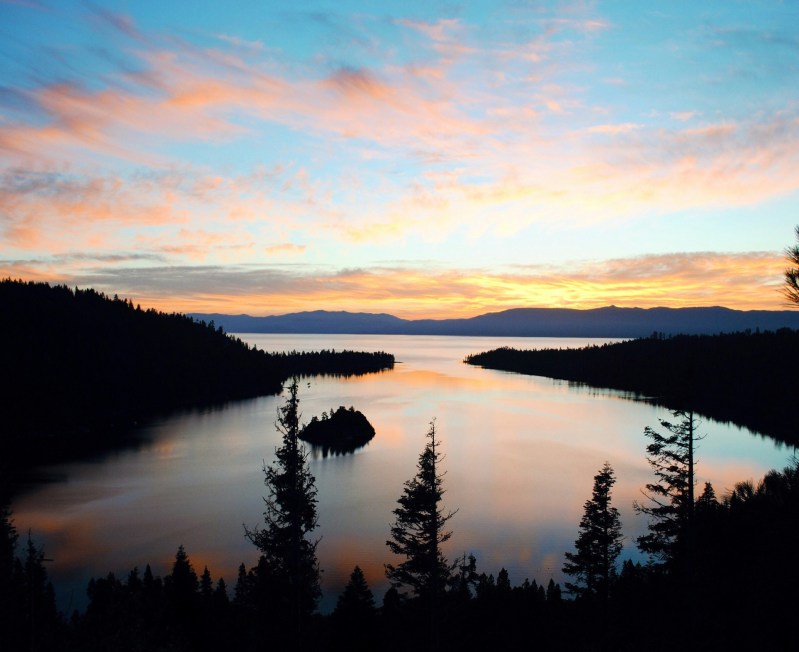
521,453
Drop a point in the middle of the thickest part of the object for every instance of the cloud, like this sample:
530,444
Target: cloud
183,211
240,42
285,248
614,128
121,23
674,280
684,116
189,93
439,31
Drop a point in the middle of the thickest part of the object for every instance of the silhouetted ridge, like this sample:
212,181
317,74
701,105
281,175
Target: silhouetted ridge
521,322
78,362
745,378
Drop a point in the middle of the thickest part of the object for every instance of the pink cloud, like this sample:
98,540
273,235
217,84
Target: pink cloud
684,116
484,161
614,128
440,31
122,23
240,42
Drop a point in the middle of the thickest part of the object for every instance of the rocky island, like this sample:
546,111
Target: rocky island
341,431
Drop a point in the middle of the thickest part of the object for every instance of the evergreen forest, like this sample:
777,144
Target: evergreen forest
80,368
721,574
746,378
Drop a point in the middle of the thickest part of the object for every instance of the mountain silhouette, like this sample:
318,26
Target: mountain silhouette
610,321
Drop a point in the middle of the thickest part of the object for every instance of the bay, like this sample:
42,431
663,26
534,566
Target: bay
521,453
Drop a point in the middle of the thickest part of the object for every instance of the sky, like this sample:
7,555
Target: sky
425,159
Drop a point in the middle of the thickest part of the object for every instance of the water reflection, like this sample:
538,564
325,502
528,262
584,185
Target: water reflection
324,451
521,453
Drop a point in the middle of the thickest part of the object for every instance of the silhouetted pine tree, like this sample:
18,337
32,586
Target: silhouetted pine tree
419,531
242,592
357,600
671,497
206,584
553,592
288,571
40,622
791,289
599,543
354,619
8,546
465,580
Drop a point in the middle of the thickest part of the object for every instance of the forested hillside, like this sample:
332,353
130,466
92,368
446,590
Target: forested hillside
747,378
79,367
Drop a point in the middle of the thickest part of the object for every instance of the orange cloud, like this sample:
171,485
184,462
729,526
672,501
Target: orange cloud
614,128
742,281
285,248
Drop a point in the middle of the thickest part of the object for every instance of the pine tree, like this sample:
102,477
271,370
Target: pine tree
417,534
599,543
553,592
671,497
182,582
206,584
465,580
419,529
354,620
181,590
288,571
220,597
356,603
791,288
8,546
242,592
41,616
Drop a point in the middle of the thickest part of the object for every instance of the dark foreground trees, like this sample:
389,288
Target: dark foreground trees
670,499
418,532
287,577
28,616
593,564
420,528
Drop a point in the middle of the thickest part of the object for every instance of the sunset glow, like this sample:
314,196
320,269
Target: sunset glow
420,159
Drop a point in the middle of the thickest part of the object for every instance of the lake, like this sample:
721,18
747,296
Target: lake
521,453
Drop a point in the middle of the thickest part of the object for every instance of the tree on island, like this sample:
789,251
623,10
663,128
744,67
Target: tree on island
791,289
599,543
419,531
288,575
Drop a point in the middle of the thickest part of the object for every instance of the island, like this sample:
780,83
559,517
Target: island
341,431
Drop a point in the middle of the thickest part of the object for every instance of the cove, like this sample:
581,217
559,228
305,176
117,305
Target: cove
521,453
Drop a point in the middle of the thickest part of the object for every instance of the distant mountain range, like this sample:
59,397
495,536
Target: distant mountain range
521,322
